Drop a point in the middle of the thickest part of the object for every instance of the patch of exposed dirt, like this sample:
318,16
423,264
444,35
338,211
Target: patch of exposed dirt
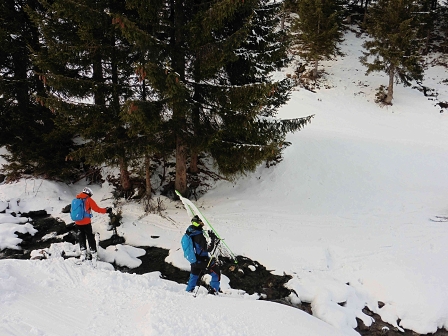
252,277
247,274
380,328
154,260
49,230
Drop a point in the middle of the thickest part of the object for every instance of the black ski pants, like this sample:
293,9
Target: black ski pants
85,233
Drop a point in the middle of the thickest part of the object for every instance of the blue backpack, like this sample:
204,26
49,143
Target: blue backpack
187,246
78,209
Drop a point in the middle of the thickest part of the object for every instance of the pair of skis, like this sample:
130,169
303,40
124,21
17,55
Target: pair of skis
221,248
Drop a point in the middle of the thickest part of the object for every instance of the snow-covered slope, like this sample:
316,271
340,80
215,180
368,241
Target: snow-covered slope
346,214
352,198
56,297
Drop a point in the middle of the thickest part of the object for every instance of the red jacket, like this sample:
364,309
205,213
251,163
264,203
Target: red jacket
90,205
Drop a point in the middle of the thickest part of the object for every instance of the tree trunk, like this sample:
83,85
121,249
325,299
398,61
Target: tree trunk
124,175
148,176
390,88
364,19
316,66
196,127
194,163
20,77
114,68
180,183
316,61
178,62
427,42
97,76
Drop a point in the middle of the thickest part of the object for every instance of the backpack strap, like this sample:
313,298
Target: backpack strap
195,244
86,214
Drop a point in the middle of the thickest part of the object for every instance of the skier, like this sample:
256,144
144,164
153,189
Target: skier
85,225
203,264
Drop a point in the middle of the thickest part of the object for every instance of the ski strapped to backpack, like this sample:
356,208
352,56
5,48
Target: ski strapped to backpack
222,248
78,210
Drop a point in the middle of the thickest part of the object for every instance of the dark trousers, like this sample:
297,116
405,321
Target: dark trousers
198,269
85,233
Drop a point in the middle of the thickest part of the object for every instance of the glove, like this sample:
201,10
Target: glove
212,236
109,210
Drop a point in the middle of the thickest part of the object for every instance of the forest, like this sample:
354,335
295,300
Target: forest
172,93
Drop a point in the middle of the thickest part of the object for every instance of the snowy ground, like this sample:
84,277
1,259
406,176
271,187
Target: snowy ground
346,214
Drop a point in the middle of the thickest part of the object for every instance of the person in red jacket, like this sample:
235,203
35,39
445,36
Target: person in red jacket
85,225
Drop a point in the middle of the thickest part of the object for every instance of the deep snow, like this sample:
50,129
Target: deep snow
346,214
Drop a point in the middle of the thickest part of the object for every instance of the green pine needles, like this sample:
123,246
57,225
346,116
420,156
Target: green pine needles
396,45
209,64
317,30
133,81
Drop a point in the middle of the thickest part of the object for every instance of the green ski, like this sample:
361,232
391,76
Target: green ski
192,210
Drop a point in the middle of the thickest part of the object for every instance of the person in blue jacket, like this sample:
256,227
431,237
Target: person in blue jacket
201,248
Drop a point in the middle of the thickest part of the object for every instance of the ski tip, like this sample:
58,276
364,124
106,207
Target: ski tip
177,193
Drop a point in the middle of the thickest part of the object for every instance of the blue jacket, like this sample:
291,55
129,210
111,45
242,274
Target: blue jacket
201,248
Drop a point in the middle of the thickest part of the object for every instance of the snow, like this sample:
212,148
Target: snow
346,214
53,297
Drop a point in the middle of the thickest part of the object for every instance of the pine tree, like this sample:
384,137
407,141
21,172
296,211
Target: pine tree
157,33
209,65
317,30
147,133
249,133
87,70
442,26
36,144
428,16
395,46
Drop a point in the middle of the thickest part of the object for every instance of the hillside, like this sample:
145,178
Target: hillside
346,214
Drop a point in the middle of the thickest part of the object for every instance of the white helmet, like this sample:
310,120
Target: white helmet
87,191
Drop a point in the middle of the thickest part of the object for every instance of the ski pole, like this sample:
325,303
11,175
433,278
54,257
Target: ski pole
199,279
